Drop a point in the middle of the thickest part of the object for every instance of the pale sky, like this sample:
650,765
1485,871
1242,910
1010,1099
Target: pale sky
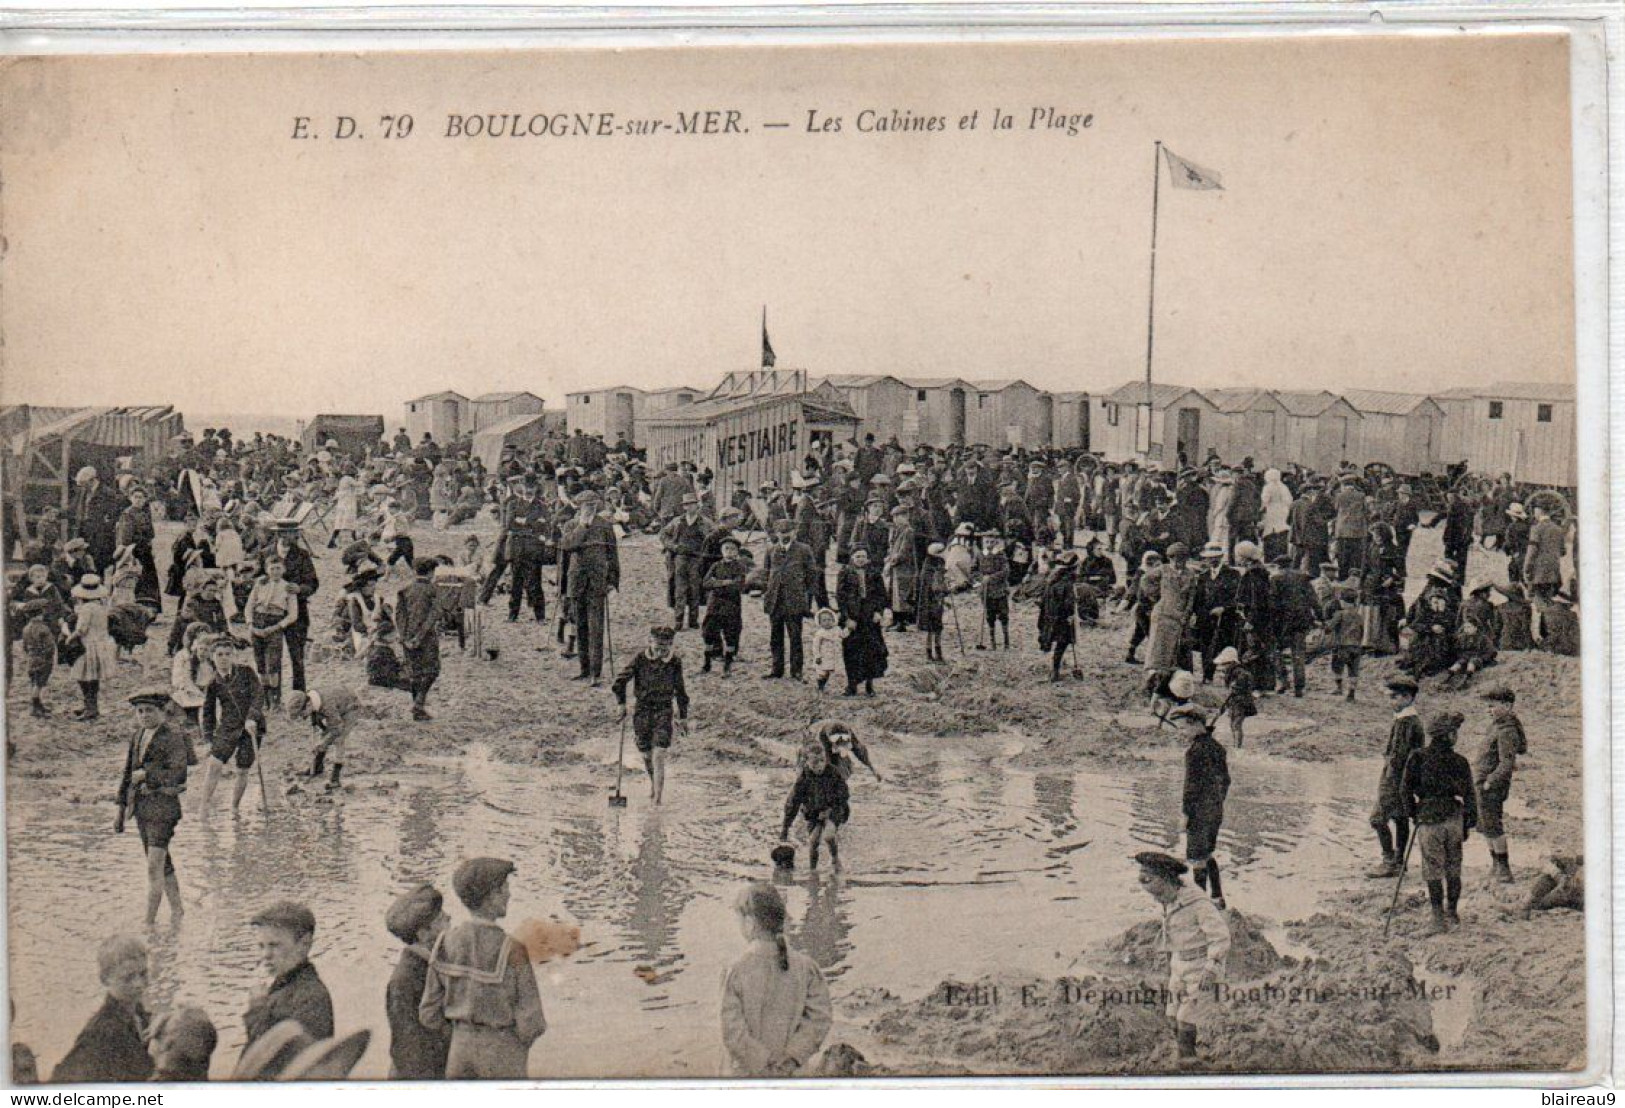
1395,214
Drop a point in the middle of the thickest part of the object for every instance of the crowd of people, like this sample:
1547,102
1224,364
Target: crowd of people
1233,581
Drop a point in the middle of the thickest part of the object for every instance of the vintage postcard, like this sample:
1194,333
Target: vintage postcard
970,558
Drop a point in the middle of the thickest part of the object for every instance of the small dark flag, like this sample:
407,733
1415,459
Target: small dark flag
768,357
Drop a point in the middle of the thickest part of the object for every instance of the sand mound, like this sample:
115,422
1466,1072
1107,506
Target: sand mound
1358,1010
1008,1025
1251,955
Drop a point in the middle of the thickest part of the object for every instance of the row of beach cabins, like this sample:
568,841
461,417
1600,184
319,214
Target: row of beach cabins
1527,430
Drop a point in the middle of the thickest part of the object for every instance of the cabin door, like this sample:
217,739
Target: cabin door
956,417
1189,438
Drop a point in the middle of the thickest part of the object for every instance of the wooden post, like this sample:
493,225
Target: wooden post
67,478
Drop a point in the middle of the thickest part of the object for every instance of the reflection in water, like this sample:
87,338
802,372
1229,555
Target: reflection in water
992,856
657,899
1052,796
825,934
1155,800
1261,818
422,854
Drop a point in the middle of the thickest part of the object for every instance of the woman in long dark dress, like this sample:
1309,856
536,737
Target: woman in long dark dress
134,533
860,598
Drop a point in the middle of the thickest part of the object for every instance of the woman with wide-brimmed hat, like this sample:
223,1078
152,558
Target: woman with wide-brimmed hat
100,656
1433,619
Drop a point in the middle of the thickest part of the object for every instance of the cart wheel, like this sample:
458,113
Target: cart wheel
1554,502
1378,472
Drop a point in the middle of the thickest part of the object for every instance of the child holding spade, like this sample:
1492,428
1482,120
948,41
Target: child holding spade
657,676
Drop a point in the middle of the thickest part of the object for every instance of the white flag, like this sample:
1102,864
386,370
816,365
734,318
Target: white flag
1189,175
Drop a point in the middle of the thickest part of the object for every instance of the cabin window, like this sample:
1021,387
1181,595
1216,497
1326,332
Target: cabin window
586,400
919,396
1543,413
981,400
1111,415
1495,409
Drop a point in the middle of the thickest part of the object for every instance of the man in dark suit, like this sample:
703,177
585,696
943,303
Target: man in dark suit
299,570
96,511
788,596
526,522
1217,618
595,569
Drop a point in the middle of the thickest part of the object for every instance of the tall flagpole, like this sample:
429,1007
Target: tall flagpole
1151,301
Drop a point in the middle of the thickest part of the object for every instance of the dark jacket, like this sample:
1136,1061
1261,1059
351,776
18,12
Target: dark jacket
820,795
1438,784
297,995
299,570
110,1048
525,525
1057,608
1292,604
417,617
96,512
1405,737
1207,778
595,560
416,1053
1098,570
871,535
791,578
1492,772
1211,591
230,701
164,760
657,683
724,585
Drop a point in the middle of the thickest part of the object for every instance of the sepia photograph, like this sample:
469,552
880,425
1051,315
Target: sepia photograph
950,559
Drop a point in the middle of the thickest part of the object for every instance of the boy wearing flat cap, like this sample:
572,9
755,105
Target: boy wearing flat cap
1437,789
1196,937
480,982
1492,774
233,720
1405,737
285,931
416,1053
150,789
332,711
657,677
